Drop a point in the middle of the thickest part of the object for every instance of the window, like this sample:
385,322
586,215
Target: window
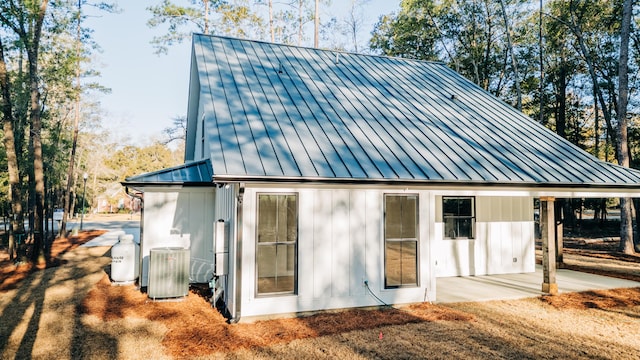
276,244
401,240
459,217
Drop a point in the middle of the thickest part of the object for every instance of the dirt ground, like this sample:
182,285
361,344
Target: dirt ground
71,311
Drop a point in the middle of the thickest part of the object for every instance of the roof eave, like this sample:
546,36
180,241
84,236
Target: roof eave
539,189
135,184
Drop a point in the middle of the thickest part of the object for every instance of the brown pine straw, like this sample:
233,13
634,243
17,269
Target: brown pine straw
595,299
197,329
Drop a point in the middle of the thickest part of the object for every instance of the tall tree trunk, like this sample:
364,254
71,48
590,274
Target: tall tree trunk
626,222
596,128
353,25
15,185
271,29
206,16
316,27
36,130
577,31
488,35
76,122
514,63
300,21
561,119
541,63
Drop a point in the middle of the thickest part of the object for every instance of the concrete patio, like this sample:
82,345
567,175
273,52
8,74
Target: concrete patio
516,286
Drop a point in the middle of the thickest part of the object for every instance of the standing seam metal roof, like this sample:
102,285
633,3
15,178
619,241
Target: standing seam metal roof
191,173
279,111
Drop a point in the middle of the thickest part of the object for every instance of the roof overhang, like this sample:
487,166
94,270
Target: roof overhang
195,173
560,190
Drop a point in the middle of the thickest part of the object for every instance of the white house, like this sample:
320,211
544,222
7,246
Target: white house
314,177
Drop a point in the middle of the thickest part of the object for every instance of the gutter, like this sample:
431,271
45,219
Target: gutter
126,190
137,184
422,182
557,189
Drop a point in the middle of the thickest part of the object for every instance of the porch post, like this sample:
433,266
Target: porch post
559,230
547,227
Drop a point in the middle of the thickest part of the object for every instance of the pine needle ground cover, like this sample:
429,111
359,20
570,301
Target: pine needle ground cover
72,311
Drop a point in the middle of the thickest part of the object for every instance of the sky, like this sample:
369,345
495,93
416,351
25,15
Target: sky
147,90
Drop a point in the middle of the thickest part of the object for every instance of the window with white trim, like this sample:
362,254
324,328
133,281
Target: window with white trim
276,245
458,215
400,240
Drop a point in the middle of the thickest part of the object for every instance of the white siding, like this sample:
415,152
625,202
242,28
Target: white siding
340,244
179,218
503,243
225,209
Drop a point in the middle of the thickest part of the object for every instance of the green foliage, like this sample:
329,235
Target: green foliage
180,21
470,36
239,20
59,54
233,18
131,160
409,34
236,18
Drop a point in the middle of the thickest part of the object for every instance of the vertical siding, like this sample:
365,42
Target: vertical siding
358,242
374,251
306,229
225,203
224,209
180,218
340,244
503,243
322,255
200,221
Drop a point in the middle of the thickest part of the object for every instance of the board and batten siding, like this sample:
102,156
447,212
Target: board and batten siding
503,242
179,217
225,209
340,244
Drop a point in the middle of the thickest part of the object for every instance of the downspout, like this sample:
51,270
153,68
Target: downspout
238,267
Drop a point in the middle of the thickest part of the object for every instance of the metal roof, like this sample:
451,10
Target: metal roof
191,173
274,111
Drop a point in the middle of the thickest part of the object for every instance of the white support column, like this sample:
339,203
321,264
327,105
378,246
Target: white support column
548,229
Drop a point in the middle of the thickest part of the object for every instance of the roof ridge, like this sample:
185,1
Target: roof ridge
346,52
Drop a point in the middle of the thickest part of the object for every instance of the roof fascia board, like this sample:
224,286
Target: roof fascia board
467,188
137,185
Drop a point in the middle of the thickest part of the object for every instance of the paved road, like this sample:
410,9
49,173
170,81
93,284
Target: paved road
115,226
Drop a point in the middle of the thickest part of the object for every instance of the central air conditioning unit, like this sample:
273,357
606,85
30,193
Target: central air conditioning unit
168,273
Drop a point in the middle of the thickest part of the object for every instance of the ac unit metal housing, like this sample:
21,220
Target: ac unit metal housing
168,273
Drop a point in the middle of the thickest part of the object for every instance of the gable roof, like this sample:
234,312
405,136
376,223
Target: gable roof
278,112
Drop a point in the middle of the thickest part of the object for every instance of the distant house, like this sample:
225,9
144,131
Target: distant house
115,199
313,176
